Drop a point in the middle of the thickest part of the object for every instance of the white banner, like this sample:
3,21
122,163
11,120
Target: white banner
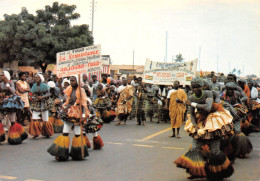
79,61
161,73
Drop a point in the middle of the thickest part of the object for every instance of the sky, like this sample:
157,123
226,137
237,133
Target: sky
223,31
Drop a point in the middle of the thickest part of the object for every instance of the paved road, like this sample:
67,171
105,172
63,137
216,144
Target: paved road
131,153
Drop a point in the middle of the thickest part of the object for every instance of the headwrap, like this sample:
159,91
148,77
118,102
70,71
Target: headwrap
51,84
7,75
197,80
41,76
207,83
64,81
250,81
77,79
242,80
231,85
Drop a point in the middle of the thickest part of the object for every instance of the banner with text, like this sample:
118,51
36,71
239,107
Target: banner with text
161,73
79,61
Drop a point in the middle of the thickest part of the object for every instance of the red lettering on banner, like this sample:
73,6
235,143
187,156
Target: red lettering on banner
92,64
84,54
61,58
65,69
160,74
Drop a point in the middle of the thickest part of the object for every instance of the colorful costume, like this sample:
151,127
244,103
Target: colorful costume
53,112
241,145
102,105
93,125
71,116
124,109
9,104
212,162
40,110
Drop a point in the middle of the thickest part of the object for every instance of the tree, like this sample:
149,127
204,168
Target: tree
179,58
234,71
251,76
35,39
239,72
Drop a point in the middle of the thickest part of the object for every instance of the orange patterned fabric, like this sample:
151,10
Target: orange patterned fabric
68,92
177,110
247,91
125,94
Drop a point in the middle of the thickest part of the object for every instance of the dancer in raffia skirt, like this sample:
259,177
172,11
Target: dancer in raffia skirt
93,125
71,117
41,103
53,114
207,125
10,104
242,146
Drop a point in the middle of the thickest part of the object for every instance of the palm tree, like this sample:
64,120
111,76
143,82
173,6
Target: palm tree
179,58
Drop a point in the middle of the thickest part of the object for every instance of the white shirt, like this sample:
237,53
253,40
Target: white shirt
254,94
121,87
170,92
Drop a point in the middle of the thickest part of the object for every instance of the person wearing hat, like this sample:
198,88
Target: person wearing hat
241,144
40,109
55,96
215,165
233,78
9,105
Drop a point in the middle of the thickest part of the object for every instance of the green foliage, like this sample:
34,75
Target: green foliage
35,39
179,58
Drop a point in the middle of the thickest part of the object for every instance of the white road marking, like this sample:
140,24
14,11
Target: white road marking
8,177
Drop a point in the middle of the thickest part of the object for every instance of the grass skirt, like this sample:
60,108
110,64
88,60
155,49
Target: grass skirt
75,151
218,166
227,148
2,133
193,162
242,146
16,134
87,140
97,143
35,128
47,129
60,148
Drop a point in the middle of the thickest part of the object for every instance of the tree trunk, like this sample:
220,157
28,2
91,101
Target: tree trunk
43,67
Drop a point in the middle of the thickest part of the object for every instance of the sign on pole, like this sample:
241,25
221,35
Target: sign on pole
161,73
79,61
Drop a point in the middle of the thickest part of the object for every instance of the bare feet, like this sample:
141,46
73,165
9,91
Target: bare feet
117,124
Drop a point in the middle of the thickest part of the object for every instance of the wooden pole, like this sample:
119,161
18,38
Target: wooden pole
81,127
